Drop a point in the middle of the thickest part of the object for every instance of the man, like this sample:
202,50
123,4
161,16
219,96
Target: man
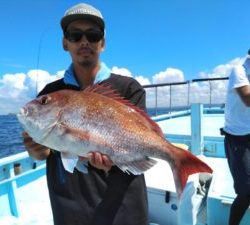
237,138
105,195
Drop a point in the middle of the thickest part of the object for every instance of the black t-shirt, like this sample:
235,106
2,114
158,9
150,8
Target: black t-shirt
97,198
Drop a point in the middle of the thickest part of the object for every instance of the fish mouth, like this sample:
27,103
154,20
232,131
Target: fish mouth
24,120
24,117
22,112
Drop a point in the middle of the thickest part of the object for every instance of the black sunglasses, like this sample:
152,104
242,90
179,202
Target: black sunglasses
91,35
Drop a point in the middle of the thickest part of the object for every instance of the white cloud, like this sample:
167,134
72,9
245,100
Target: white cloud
200,91
16,81
170,75
17,89
125,72
194,92
222,70
121,71
142,80
39,78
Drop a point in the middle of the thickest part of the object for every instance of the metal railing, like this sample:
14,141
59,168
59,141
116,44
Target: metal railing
16,171
168,97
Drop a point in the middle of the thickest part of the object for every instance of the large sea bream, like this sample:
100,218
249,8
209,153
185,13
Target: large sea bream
98,119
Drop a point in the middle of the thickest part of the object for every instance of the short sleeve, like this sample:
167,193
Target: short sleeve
237,78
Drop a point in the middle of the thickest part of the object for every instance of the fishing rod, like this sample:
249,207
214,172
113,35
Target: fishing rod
38,55
38,60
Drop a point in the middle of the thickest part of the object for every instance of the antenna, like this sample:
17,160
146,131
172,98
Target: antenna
248,52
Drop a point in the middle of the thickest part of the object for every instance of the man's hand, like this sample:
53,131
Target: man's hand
99,161
35,150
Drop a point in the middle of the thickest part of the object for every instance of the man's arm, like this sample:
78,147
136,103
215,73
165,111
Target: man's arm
244,93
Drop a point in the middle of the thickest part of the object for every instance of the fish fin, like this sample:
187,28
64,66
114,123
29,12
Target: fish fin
186,164
107,90
74,132
81,135
69,161
137,167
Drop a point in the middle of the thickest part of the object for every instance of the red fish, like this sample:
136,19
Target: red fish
98,119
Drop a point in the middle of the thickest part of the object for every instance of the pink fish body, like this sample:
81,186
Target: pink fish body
98,119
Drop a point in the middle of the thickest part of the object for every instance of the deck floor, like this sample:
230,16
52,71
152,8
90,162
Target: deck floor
34,205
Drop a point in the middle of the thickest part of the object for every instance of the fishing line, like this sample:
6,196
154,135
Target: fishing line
42,35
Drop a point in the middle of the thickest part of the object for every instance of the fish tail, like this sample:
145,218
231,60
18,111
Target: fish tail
185,164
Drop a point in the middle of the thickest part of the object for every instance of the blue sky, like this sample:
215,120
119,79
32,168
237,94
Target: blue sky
143,37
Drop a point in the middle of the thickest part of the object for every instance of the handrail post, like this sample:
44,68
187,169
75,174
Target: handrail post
11,195
156,101
197,138
170,98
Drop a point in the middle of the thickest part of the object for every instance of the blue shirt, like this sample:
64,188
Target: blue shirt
102,74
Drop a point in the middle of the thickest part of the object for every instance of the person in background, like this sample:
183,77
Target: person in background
237,138
106,195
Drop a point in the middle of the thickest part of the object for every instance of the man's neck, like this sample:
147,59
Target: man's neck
86,75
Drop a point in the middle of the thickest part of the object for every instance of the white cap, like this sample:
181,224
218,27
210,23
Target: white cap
82,11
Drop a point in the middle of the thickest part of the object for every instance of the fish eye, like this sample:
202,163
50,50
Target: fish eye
44,100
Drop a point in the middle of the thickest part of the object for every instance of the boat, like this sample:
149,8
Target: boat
194,126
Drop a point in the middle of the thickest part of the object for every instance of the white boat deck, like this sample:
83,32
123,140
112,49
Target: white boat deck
34,205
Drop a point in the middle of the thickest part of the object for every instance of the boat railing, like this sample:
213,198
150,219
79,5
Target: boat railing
15,171
175,96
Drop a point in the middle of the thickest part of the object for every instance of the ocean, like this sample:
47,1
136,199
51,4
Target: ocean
10,136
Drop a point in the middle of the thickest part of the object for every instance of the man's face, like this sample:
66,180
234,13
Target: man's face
84,40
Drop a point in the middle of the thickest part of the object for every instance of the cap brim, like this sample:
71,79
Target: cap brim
70,18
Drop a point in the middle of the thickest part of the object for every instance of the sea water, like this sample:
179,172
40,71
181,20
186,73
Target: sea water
11,141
